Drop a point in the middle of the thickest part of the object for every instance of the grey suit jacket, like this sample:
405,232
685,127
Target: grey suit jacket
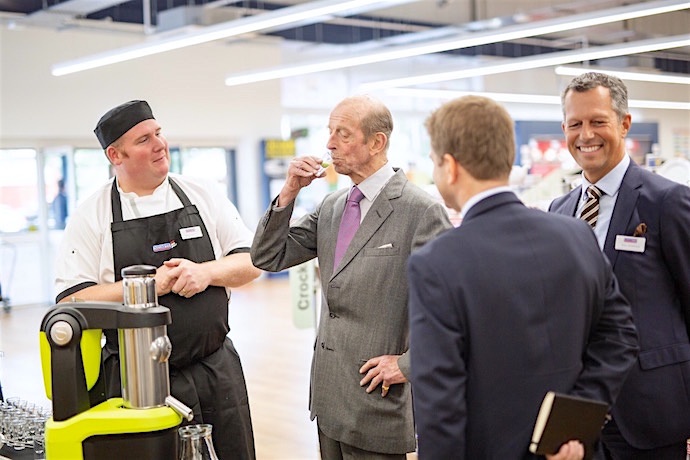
654,405
364,309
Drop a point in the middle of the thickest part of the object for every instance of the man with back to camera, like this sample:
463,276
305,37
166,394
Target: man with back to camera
361,342
643,227
511,304
196,238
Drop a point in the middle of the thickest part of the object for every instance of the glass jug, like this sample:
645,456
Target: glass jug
196,443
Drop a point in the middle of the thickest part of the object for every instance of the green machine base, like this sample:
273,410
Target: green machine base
111,431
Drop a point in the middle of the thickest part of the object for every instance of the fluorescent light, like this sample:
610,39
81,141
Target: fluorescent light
445,95
534,62
669,105
469,40
316,10
625,75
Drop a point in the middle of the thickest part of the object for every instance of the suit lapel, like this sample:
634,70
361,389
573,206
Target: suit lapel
380,210
623,211
570,205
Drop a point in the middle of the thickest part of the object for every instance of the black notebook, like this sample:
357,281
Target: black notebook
564,417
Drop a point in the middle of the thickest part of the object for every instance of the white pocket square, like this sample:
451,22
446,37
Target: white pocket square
385,246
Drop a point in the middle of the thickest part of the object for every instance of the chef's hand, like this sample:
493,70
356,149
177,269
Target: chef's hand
572,450
164,280
301,172
383,370
191,277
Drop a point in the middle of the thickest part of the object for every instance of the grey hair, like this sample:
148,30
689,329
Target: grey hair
591,80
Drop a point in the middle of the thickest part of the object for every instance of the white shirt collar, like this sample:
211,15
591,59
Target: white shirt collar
158,191
372,185
482,195
611,182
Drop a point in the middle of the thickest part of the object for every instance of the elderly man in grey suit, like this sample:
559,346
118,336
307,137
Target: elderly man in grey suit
362,336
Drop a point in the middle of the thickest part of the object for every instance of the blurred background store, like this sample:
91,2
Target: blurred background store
228,120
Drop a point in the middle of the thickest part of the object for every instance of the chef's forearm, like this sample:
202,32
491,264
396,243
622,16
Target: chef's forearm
110,292
232,271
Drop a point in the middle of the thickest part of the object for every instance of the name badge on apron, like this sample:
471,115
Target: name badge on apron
164,246
189,233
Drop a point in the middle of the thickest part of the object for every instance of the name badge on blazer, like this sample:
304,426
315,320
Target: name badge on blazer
189,233
630,243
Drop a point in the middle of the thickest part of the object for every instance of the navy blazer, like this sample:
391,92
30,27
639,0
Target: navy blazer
653,408
509,305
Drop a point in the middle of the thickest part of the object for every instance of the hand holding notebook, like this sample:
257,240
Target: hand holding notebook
565,417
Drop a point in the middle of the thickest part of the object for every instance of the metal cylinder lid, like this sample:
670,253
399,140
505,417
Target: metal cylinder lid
139,286
138,270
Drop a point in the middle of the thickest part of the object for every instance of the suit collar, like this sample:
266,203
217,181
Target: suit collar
476,198
395,185
489,203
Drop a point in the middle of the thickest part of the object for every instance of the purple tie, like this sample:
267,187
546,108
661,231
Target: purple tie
348,225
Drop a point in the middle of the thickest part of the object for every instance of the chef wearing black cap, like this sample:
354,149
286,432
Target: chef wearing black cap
200,245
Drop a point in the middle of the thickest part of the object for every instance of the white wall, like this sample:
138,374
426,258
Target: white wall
184,87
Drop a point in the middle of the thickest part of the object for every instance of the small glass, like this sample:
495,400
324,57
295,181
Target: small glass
326,161
18,432
16,402
39,447
196,442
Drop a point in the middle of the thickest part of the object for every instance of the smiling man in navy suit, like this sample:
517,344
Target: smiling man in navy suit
643,227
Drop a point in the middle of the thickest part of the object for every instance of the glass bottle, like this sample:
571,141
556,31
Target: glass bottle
196,443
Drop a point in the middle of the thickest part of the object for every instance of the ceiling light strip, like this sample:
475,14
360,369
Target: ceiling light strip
292,14
534,62
469,40
649,77
445,95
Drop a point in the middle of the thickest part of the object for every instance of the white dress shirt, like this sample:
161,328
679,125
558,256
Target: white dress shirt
609,186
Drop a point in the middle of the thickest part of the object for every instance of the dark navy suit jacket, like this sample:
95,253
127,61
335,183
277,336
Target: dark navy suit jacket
653,408
509,305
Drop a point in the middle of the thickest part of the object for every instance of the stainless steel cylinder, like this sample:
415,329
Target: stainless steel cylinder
139,286
144,352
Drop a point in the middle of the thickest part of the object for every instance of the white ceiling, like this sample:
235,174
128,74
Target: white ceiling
413,22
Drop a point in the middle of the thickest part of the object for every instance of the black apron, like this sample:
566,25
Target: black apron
205,369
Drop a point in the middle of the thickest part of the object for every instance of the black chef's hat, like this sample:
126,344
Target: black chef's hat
121,119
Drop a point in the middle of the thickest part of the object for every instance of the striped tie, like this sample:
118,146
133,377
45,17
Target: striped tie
590,212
